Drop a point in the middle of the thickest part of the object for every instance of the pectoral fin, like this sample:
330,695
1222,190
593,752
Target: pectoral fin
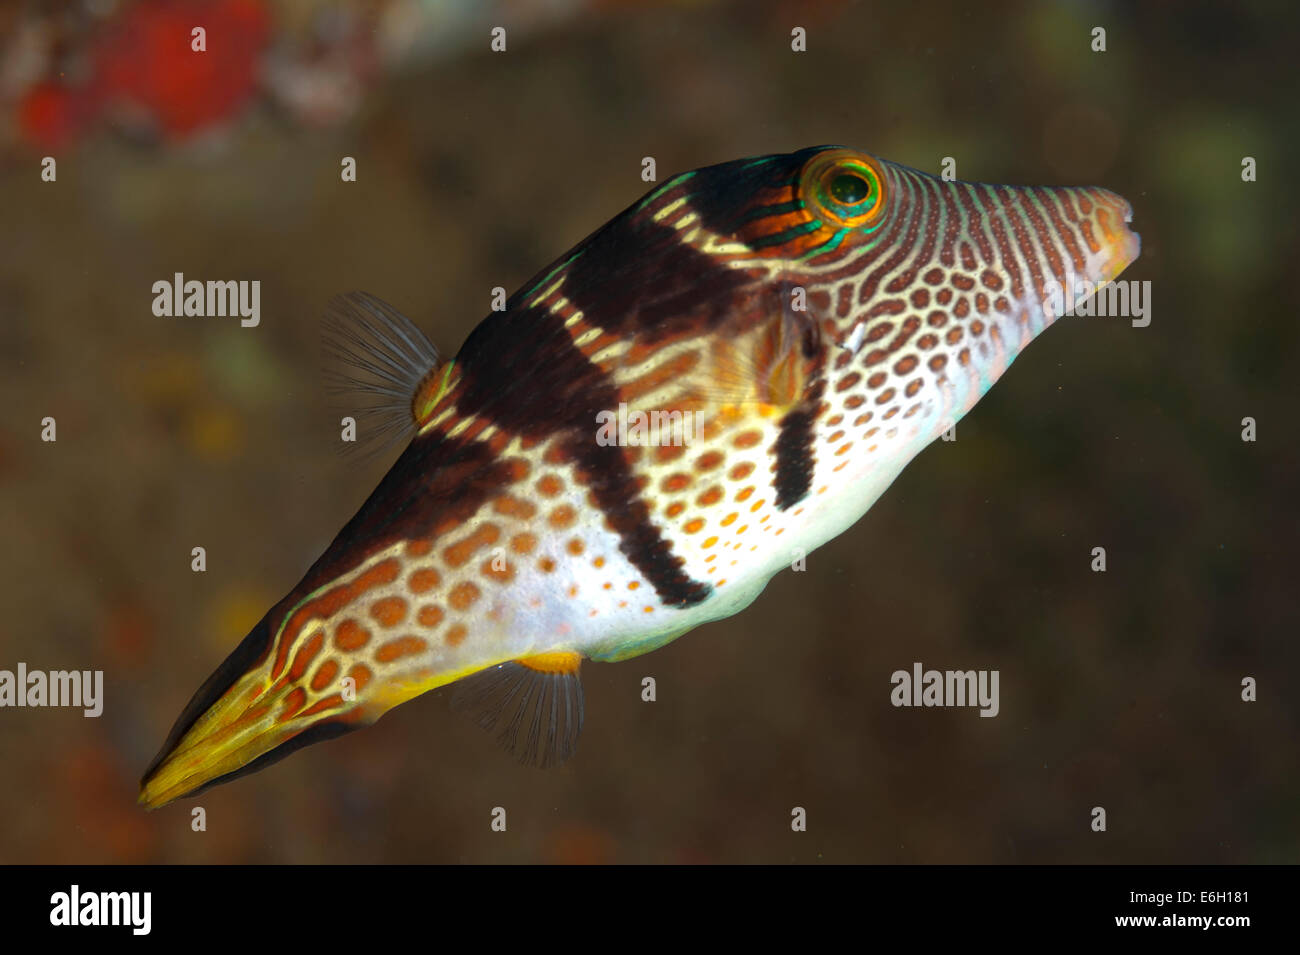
765,358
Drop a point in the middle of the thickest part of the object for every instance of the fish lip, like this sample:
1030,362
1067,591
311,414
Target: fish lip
1126,246
1128,219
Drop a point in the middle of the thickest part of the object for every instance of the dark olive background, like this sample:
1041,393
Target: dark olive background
1119,690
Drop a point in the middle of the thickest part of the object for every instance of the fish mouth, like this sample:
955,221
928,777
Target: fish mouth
1121,244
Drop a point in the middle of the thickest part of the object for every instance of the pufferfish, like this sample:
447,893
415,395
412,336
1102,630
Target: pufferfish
776,338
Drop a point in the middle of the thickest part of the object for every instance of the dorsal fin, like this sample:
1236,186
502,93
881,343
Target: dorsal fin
533,705
376,362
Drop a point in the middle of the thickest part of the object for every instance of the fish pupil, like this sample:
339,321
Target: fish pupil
849,188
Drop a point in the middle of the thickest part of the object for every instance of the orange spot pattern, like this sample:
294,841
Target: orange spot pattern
389,612
361,675
458,553
325,674
523,543
562,517
330,603
401,647
463,595
502,571
423,580
350,635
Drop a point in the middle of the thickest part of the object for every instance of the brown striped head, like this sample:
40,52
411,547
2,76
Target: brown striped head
962,267
924,290
839,293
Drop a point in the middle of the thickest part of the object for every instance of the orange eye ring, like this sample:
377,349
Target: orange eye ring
845,188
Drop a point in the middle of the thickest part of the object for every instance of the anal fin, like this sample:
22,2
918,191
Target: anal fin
533,705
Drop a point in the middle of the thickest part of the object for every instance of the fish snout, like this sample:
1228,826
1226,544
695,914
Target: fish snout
1120,244
1089,243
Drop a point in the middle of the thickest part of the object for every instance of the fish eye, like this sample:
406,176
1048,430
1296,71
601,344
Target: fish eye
850,188
845,188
